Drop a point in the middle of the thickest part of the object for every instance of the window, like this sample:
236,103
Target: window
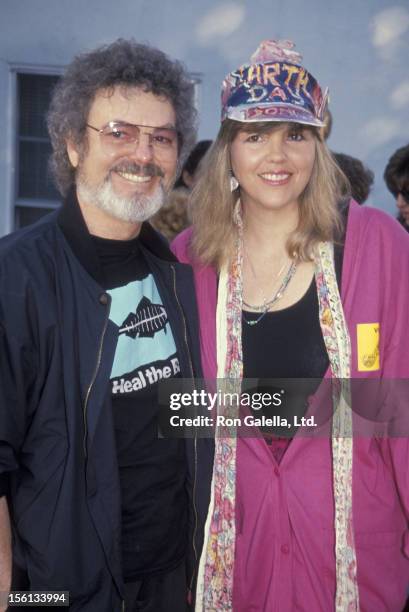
34,189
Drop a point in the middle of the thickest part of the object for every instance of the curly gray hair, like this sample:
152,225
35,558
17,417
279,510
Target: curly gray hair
124,63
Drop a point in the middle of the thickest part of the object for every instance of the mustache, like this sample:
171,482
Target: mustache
145,170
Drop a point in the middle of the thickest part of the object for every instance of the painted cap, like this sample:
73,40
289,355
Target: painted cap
274,87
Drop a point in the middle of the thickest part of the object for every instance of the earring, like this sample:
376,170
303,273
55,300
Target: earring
234,183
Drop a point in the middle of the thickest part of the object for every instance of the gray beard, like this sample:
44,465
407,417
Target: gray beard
135,209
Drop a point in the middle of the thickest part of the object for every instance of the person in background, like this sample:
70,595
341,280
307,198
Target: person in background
191,166
396,177
173,217
360,177
294,282
94,312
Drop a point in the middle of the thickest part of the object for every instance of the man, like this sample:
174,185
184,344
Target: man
396,177
94,311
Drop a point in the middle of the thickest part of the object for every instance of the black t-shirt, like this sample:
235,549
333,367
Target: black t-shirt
152,471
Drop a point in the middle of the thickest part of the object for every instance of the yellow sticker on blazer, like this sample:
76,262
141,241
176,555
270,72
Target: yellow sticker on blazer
368,346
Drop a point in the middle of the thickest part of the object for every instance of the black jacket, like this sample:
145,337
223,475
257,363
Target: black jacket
57,443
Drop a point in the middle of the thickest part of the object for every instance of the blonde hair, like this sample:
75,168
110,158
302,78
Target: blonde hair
212,202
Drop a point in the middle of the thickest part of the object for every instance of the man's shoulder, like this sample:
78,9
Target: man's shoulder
30,253
26,242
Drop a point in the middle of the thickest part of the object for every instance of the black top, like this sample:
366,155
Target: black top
285,344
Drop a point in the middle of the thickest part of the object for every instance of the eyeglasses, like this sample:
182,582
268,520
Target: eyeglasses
405,194
117,136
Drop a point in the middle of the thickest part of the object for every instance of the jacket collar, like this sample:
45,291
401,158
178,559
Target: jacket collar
74,228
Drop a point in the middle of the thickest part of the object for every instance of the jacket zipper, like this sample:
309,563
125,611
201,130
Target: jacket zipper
93,379
89,389
195,439
196,521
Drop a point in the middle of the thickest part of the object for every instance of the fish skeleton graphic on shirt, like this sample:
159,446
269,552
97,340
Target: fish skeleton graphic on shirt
146,321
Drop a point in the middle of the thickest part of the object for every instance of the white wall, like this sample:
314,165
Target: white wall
359,49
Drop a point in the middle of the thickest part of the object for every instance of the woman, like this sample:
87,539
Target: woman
312,523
